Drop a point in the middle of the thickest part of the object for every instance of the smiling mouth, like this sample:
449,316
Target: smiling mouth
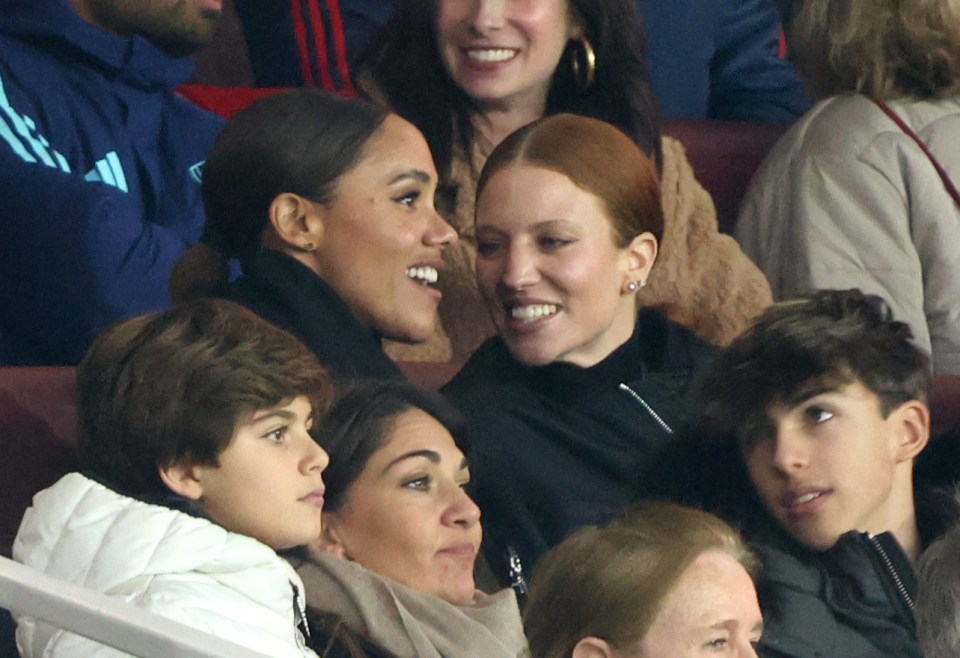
792,502
425,275
490,55
533,312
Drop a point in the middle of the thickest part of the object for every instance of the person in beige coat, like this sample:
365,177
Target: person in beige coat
850,199
481,71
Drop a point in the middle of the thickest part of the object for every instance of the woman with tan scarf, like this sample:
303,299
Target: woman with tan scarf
395,563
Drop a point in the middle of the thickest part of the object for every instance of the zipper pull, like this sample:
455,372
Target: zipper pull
517,580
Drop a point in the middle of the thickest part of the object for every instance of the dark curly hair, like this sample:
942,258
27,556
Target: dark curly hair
812,343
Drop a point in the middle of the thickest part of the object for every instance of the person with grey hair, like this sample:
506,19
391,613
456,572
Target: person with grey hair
862,191
938,597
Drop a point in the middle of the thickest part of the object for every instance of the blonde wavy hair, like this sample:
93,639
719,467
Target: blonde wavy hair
885,49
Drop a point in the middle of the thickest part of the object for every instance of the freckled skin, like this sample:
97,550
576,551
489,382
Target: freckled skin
711,610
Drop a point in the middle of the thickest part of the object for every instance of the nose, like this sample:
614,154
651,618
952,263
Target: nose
462,511
315,458
519,269
440,233
488,15
789,450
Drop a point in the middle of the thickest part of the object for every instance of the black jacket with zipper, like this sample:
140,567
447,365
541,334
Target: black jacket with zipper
560,446
854,600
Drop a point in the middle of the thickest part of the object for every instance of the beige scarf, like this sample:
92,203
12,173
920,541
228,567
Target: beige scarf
411,624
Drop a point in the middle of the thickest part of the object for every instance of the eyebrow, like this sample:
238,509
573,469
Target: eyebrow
548,223
725,624
538,226
416,174
804,395
283,414
432,455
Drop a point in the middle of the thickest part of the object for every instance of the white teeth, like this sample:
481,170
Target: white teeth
532,312
805,498
492,54
423,274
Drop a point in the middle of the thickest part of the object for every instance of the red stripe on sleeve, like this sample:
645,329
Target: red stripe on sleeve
320,41
300,32
340,45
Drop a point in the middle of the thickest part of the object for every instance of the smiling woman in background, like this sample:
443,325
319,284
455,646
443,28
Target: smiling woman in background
396,560
327,203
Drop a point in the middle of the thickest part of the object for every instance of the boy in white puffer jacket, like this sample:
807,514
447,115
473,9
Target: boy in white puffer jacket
197,466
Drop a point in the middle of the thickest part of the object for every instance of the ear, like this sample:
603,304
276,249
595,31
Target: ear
182,480
576,23
330,539
296,221
912,427
640,254
593,647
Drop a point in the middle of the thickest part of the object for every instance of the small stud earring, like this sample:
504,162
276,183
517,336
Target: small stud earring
634,286
309,247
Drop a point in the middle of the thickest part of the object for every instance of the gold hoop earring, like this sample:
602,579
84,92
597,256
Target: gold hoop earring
585,71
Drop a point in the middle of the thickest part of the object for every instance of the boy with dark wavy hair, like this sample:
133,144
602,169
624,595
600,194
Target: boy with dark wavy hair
824,402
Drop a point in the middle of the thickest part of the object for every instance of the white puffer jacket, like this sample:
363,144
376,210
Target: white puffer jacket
170,563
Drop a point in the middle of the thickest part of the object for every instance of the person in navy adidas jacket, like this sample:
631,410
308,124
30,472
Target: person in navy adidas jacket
100,165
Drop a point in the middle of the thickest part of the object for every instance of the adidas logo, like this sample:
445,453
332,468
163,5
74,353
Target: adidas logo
197,171
109,172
